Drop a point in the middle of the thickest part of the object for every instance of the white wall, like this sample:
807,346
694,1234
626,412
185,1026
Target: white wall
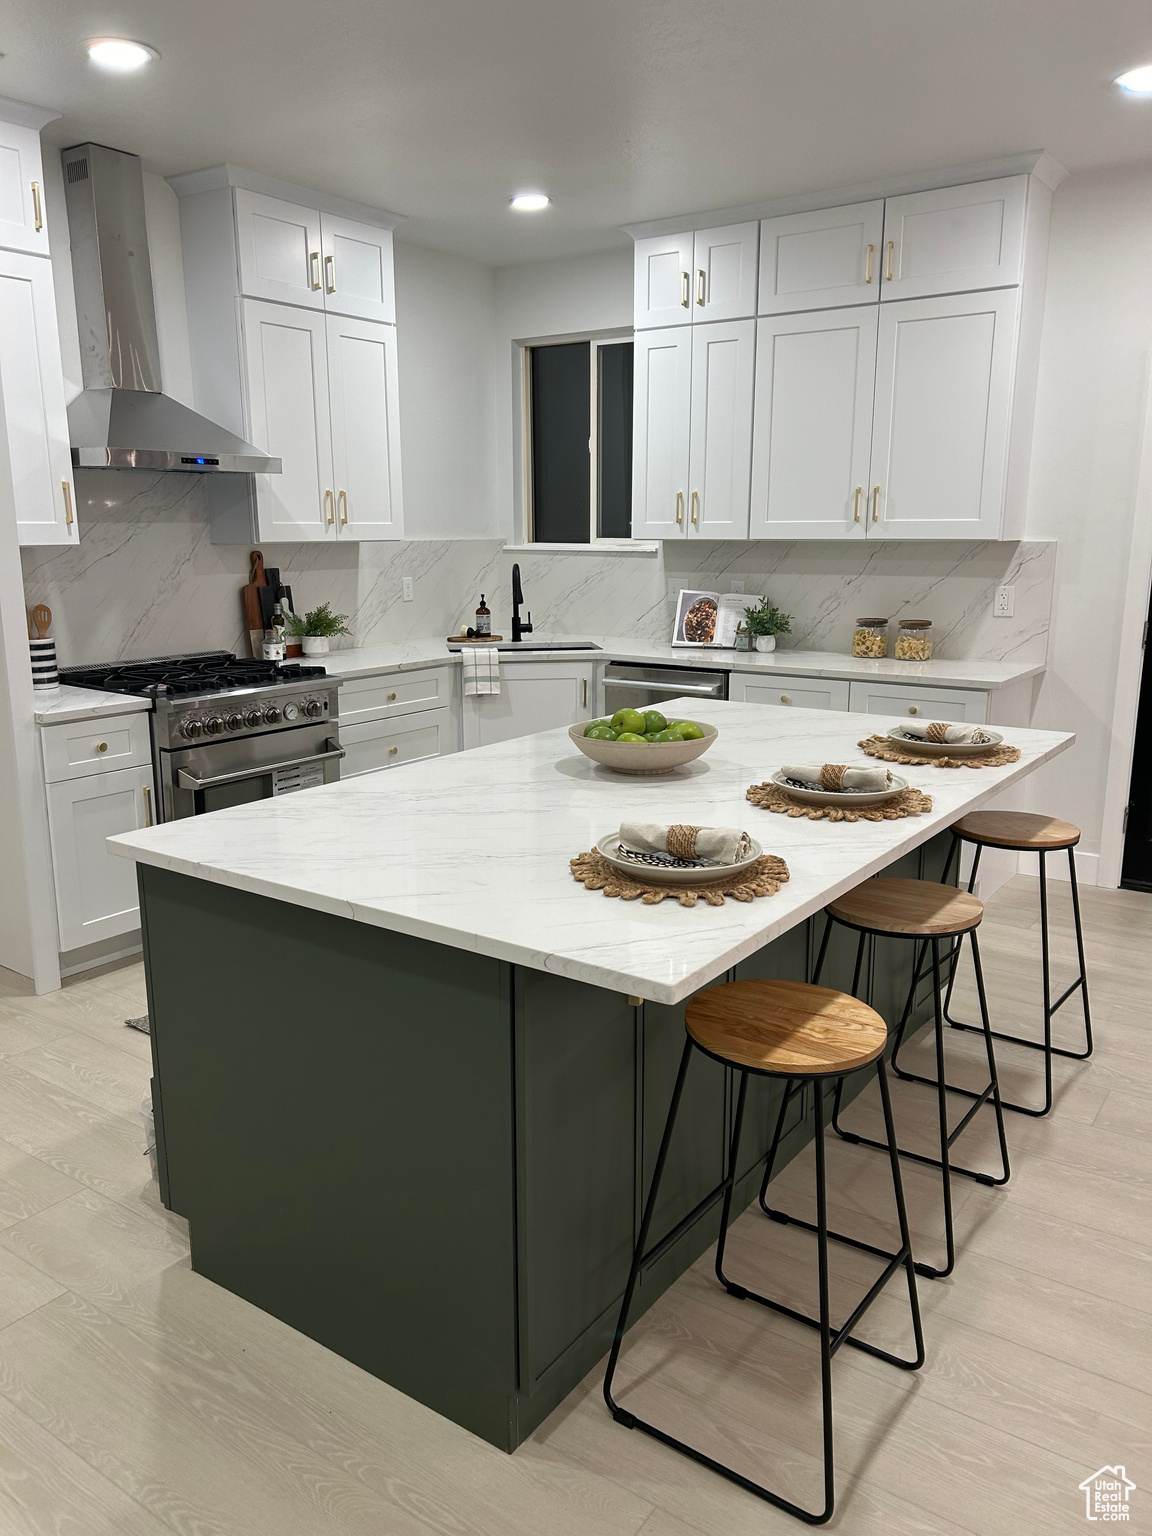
1094,367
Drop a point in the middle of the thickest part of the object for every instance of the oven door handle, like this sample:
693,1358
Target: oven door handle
708,691
188,780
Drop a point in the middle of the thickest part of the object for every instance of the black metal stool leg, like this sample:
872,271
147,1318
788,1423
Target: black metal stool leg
1087,1051
929,1270
901,1213
823,950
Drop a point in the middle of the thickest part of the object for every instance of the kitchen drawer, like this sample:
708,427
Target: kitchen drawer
394,693
895,699
95,746
800,692
376,744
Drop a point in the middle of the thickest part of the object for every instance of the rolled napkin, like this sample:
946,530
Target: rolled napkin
939,731
838,777
708,845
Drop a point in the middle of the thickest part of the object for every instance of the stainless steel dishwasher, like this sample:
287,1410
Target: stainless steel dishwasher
651,686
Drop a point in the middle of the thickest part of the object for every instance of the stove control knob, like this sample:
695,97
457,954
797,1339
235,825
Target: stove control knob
191,728
213,725
252,719
272,714
313,709
234,722
291,711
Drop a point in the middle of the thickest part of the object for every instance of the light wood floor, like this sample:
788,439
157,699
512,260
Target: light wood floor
138,1400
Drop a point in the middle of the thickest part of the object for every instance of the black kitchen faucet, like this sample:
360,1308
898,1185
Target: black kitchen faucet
518,628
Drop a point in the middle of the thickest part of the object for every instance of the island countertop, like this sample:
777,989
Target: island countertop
472,850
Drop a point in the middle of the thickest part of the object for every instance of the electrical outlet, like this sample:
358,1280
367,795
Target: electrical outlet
1004,605
736,585
406,588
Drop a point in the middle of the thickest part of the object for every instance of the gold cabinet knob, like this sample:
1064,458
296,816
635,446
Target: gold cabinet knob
101,746
913,709
391,698
785,698
392,751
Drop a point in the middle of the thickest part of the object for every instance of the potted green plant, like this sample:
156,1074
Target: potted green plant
765,623
317,627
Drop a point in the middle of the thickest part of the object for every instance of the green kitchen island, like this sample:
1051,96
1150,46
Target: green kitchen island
410,1078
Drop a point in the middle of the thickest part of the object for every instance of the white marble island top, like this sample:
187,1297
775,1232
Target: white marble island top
472,850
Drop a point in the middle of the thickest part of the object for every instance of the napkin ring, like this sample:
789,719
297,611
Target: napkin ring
832,777
681,842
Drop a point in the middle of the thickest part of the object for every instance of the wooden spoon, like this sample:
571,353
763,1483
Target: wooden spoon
42,618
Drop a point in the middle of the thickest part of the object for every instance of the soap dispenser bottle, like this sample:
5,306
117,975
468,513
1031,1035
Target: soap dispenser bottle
483,618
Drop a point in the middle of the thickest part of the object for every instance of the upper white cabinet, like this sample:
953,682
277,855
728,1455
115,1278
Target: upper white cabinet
23,226
692,435
291,254
702,276
820,259
954,240
365,414
356,262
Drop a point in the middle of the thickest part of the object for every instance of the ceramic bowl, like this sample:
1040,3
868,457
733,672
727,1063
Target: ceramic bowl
860,799
641,757
944,748
653,874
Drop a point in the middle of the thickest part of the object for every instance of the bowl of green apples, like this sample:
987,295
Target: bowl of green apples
642,741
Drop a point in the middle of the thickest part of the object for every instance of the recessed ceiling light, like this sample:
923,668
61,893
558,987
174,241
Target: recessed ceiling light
1137,81
530,202
120,54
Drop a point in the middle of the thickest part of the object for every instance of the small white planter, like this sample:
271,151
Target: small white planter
765,642
317,645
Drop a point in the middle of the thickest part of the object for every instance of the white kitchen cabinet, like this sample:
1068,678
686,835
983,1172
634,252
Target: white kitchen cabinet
954,239
817,260
77,748
389,743
279,249
96,894
34,408
534,696
358,270
387,694
940,433
23,226
661,432
813,424
967,705
708,274
663,281
798,692
365,416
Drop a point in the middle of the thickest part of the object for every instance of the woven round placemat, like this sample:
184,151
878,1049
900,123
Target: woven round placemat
877,746
909,802
764,878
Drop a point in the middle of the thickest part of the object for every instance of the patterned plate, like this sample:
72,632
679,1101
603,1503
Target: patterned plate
845,798
663,875
943,748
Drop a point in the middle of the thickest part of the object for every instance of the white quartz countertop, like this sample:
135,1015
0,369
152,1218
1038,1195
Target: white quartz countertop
471,850
68,703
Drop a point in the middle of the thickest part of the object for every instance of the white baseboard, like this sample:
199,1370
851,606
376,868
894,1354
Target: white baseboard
95,961
1087,867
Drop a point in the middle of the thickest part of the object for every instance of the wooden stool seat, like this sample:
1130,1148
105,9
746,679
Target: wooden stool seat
912,908
1016,829
789,1028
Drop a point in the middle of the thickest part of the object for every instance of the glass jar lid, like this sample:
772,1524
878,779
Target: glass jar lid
915,623
871,623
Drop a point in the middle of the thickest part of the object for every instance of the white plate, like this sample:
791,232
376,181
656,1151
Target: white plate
945,748
654,874
846,798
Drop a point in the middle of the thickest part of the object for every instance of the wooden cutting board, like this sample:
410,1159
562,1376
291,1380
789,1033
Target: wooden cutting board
250,601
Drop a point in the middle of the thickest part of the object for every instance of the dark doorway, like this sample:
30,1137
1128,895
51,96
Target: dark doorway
1136,873
561,430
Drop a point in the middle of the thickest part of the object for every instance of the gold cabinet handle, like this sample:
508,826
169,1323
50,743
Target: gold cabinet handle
392,751
314,269
868,264
37,207
700,282
583,693
101,746
913,709
875,503
67,489
685,290
147,805
696,509
856,504
679,509
329,509
785,698
888,271
343,499
329,274
391,698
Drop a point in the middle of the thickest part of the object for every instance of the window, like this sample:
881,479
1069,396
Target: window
578,438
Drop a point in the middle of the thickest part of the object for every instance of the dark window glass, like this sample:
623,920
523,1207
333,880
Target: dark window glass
614,459
561,425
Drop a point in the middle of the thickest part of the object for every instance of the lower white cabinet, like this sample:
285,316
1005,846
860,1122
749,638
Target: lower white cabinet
388,743
95,892
801,692
534,696
967,705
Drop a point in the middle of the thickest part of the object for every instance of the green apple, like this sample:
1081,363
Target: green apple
630,735
594,725
654,721
688,730
651,735
669,736
630,720
601,733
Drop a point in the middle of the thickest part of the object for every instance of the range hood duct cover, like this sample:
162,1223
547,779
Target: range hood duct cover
122,419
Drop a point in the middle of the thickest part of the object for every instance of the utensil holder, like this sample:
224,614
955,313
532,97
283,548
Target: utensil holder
43,657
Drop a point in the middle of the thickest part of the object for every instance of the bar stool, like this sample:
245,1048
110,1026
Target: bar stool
1026,833
801,1034
928,913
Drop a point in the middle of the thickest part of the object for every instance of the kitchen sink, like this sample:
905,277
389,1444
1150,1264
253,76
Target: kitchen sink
539,645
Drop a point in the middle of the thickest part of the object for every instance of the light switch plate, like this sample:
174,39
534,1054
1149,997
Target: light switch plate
1004,605
406,588
736,584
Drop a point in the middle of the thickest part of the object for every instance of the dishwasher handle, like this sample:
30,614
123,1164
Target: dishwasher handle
708,691
188,780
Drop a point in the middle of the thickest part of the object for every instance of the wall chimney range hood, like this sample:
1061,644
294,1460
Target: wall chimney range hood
122,419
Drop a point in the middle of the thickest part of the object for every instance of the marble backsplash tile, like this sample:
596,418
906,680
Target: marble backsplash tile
146,580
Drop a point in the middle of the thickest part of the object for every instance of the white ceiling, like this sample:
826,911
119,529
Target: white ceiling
621,109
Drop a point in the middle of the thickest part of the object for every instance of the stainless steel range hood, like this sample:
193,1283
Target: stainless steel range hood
123,420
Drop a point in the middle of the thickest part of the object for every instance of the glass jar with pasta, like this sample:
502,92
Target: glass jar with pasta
914,642
870,638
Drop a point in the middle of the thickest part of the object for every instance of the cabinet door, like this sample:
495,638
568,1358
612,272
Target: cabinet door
381,744
797,692
394,693
943,406
720,457
724,272
892,700
23,225
955,239
821,259
534,696
661,428
813,424
33,385
279,245
358,276
365,428
663,293
95,892
288,412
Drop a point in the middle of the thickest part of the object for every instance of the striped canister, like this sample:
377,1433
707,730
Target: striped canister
44,673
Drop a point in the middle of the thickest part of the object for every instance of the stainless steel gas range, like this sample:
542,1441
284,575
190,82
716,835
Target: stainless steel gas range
226,730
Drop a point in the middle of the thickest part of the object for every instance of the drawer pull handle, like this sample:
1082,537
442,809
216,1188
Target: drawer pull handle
700,280
329,274
685,290
785,698
391,698
66,487
392,751
868,265
101,746
147,805
37,209
913,709
888,273
314,270
856,504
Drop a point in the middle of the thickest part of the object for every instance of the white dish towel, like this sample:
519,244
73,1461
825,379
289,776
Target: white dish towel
481,669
